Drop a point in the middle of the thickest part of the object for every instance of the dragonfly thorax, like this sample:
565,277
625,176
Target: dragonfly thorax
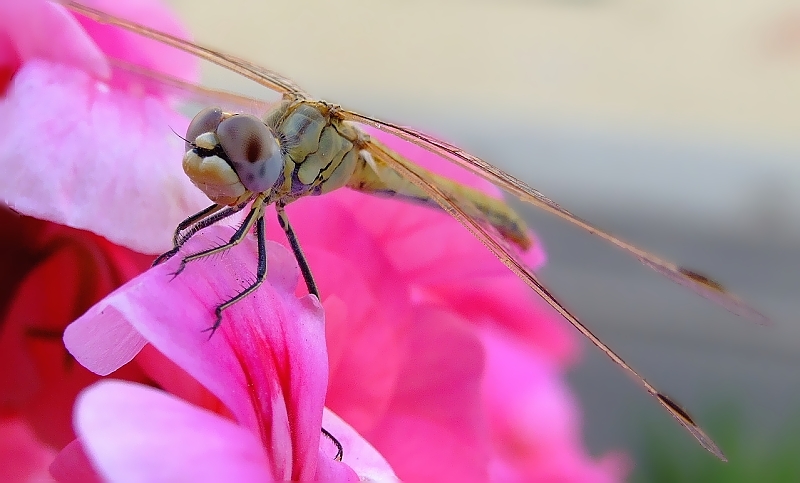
320,151
231,156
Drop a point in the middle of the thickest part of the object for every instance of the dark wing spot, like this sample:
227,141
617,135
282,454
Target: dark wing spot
674,406
703,280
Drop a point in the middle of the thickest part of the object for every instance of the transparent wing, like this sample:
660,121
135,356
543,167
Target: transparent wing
496,245
259,74
695,281
691,279
187,92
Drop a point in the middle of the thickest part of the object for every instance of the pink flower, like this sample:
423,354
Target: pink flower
258,385
437,351
84,145
67,126
423,325
50,275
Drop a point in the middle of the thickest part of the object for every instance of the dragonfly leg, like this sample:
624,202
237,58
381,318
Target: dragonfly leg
199,223
339,449
256,212
283,220
192,220
261,275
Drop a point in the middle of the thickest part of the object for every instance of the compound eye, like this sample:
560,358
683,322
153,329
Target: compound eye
252,150
205,121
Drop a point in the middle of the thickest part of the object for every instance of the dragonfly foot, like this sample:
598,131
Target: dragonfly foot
339,449
164,257
179,270
217,323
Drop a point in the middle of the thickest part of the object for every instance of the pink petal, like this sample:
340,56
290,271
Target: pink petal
367,306
534,420
107,142
104,160
424,244
36,29
135,49
135,433
426,250
22,456
116,417
269,336
72,465
433,430
359,455
505,302
366,335
104,341
524,392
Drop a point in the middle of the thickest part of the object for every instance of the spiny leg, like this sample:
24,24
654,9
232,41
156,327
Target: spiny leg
283,220
256,212
261,275
198,219
194,229
225,213
192,220
339,449
261,271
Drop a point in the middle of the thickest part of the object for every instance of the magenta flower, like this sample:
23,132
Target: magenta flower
84,145
437,352
253,393
437,355
49,274
68,126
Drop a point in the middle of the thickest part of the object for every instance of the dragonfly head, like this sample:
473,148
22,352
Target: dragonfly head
231,156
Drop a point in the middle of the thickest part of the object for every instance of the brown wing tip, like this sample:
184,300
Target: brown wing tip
524,240
704,280
687,422
717,292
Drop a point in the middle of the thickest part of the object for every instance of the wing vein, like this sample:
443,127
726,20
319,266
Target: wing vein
691,279
263,76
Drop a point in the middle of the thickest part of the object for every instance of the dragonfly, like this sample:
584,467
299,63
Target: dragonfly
302,147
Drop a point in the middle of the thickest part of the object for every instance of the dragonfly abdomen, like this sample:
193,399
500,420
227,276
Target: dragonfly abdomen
374,175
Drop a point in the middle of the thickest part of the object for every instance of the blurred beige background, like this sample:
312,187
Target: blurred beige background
672,123
707,72
728,68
